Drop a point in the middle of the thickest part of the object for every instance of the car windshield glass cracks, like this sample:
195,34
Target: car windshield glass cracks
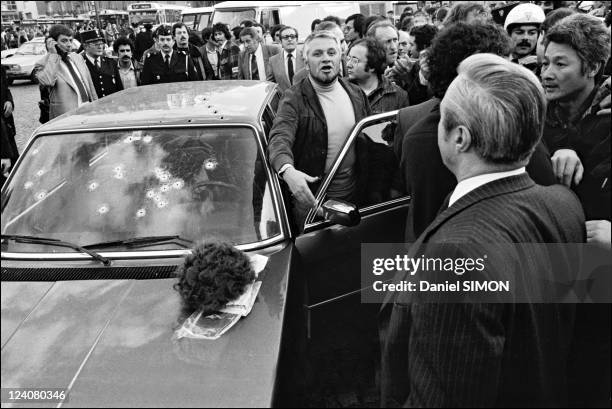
110,186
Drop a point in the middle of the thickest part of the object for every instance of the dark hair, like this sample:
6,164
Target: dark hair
554,16
586,35
59,29
276,28
207,32
375,51
222,28
148,26
122,41
358,23
214,274
178,25
333,19
405,23
423,35
236,32
440,14
247,23
455,43
314,24
164,30
460,12
289,28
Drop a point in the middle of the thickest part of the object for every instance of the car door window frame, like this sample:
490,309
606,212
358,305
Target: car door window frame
312,224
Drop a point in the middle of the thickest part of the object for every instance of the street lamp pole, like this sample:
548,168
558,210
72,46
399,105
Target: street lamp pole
95,6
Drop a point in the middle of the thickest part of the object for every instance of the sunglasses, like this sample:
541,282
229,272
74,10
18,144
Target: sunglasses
289,37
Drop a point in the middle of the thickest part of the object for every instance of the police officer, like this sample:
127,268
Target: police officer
523,26
104,71
168,65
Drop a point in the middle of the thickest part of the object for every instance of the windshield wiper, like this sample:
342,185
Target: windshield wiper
55,242
143,241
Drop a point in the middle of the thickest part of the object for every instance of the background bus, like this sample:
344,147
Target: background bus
154,13
197,19
110,16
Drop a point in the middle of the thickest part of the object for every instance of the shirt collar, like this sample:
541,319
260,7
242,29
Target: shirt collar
91,59
131,67
467,185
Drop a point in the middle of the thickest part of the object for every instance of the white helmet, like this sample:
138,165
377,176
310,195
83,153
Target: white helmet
525,13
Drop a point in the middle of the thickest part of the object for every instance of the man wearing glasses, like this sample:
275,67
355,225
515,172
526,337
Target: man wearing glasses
285,64
104,71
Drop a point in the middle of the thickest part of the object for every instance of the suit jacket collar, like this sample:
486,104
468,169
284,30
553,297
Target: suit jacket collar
498,187
495,188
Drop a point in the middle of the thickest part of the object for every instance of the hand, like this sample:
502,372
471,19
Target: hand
50,44
566,165
424,64
605,106
298,185
6,166
598,232
8,109
403,66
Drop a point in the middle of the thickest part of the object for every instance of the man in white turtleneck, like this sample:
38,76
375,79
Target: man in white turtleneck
314,119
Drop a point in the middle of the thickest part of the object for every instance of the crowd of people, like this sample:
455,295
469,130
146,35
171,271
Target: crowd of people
502,134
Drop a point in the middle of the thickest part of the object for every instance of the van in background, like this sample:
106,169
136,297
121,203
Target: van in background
294,14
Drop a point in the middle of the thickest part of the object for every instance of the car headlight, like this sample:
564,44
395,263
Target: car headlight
14,67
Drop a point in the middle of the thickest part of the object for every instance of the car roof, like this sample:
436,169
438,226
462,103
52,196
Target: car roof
179,103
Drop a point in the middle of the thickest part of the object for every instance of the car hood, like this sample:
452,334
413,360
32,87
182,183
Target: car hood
29,59
111,343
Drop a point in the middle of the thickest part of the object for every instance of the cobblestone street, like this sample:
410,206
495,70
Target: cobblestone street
26,113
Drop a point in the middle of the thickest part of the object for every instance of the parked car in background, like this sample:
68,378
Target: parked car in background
19,62
103,205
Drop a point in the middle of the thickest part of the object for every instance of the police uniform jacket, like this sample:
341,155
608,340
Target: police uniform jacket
106,79
156,71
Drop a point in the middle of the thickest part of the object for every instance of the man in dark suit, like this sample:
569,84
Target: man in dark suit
168,65
285,64
488,354
253,62
422,173
103,70
144,41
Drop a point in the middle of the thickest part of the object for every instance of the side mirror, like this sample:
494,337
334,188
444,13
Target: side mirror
341,212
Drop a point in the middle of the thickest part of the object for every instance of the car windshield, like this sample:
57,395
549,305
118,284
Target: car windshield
88,188
31,49
232,17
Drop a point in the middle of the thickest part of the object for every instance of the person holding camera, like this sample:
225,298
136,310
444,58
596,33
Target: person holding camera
64,73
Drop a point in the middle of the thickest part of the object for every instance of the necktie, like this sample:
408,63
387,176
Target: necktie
254,70
76,79
167,60
97,62
290,68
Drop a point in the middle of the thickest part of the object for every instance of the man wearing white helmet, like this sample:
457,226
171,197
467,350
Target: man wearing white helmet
523,25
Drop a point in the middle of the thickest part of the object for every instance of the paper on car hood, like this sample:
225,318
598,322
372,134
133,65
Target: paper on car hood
111,343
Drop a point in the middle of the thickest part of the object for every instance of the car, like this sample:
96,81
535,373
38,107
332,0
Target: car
106,201
19,63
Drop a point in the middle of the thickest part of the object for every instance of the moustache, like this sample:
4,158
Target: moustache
524,43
